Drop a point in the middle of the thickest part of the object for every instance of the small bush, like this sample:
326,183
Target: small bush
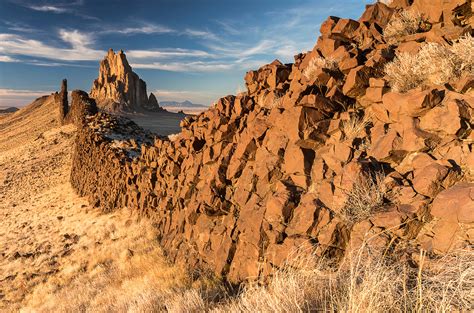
355,126
365,197
402,24
434,64
317,64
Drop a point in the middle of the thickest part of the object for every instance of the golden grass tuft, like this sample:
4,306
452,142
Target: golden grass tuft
434,64
366,281
365,197
318,63
402,24
355,126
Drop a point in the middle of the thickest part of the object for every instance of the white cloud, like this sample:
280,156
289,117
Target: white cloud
19,45
201,34
77,39
5,92
19,97
145,29
195,66
7,59
69,7
229,28
167,53
239,51
48,8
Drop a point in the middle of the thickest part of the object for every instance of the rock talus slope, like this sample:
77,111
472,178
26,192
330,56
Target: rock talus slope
118,88
293,162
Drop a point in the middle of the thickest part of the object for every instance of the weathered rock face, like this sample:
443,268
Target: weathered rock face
118,88
272,169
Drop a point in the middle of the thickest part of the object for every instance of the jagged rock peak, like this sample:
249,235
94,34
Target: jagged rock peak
118,88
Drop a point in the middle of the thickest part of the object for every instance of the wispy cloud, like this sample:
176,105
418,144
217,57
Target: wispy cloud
19,45
70,7
20,97
167,53
48,8
6,58
196,66
232,45
5,92
239,50
144,29
228,27
20,27
205,34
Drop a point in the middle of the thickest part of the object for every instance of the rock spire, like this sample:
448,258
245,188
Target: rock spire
119,89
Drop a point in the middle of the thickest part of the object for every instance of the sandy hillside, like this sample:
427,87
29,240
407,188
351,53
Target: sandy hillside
56,252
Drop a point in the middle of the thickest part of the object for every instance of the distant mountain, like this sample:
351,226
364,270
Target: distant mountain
184,104
8,109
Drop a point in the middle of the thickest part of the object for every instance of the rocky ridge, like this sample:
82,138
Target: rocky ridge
118,88
283,165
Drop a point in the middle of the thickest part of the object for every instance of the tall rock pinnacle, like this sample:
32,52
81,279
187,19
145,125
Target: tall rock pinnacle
118,88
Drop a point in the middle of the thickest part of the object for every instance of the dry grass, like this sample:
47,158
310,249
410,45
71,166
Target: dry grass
366,281
355,126
128,274
434,64
365,197
402,24
318,63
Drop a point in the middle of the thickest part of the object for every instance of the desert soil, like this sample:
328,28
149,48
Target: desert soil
50,238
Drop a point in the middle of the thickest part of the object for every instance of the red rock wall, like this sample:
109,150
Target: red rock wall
270,170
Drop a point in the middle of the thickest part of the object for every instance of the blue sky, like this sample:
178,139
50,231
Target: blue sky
185,50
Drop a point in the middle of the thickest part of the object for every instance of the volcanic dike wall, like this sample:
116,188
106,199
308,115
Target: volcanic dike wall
273,169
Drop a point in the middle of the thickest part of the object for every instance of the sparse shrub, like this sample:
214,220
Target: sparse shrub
366,281
463,51
365,197
318,63
434,64
353,127
402,24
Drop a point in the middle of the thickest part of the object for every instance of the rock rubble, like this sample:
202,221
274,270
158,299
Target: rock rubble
272,169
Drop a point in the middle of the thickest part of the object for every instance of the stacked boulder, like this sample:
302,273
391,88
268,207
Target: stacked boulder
277,168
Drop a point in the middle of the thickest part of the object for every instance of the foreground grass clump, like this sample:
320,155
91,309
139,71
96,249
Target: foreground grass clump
402,24
367,280
434,64
365,198
364,282
355,126
318,63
